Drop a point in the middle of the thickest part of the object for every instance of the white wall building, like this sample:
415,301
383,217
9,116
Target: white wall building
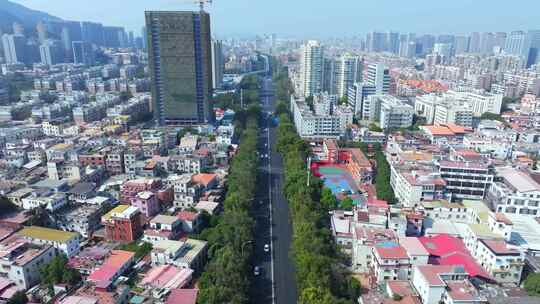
395,114
50,201
23,261
64,241
430,281
466,180
358,93
457,107
310,125
503,262
516,193
379,76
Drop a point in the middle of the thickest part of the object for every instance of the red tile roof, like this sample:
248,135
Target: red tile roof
439,130
204,178
391,252
467,261
442,244
182,296
104,274
451,251
457,129
187,216
499,247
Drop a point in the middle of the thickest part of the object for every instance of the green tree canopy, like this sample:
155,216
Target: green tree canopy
319,274
532,284
328,199
140,249
346,204
492,116
18,298
382,178
6,206
281,108
230,236
374,128
57,272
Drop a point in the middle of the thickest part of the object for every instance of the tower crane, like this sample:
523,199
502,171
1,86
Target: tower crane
201,3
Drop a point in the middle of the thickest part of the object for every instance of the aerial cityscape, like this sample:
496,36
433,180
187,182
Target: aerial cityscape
209,152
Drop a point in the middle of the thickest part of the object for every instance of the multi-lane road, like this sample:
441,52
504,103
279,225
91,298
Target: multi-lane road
276,284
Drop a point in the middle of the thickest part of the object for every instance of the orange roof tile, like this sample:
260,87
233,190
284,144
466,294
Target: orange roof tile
439,130
204,178
457,129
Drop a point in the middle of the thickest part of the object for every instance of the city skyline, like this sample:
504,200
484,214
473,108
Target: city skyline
324,21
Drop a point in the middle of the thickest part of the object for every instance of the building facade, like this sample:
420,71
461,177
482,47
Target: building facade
180,59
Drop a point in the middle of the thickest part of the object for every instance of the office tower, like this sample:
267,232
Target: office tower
139,42
403,44
461,45
329,75
218,64
448,39
54,27
92,32
392,42
83,53
144,38
412,49
487,42
516,43
349,71
426,42
114,36
66,45
15,49
533,40
376,42
74,29
443,49
312,68
131,39
70,31
180,57
41,29
378,76
31,52
499,39
18,29
51,52
1,42
474,45
407,45
273,42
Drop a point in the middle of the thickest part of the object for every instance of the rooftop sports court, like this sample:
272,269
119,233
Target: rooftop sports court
339,181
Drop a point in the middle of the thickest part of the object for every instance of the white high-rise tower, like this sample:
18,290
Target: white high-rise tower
312,68
348,73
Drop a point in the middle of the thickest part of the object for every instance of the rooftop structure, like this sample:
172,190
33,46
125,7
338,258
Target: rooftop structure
113,267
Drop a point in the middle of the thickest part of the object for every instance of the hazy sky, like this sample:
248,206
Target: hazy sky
313,18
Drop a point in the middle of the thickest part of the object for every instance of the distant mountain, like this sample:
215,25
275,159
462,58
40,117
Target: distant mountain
12,12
